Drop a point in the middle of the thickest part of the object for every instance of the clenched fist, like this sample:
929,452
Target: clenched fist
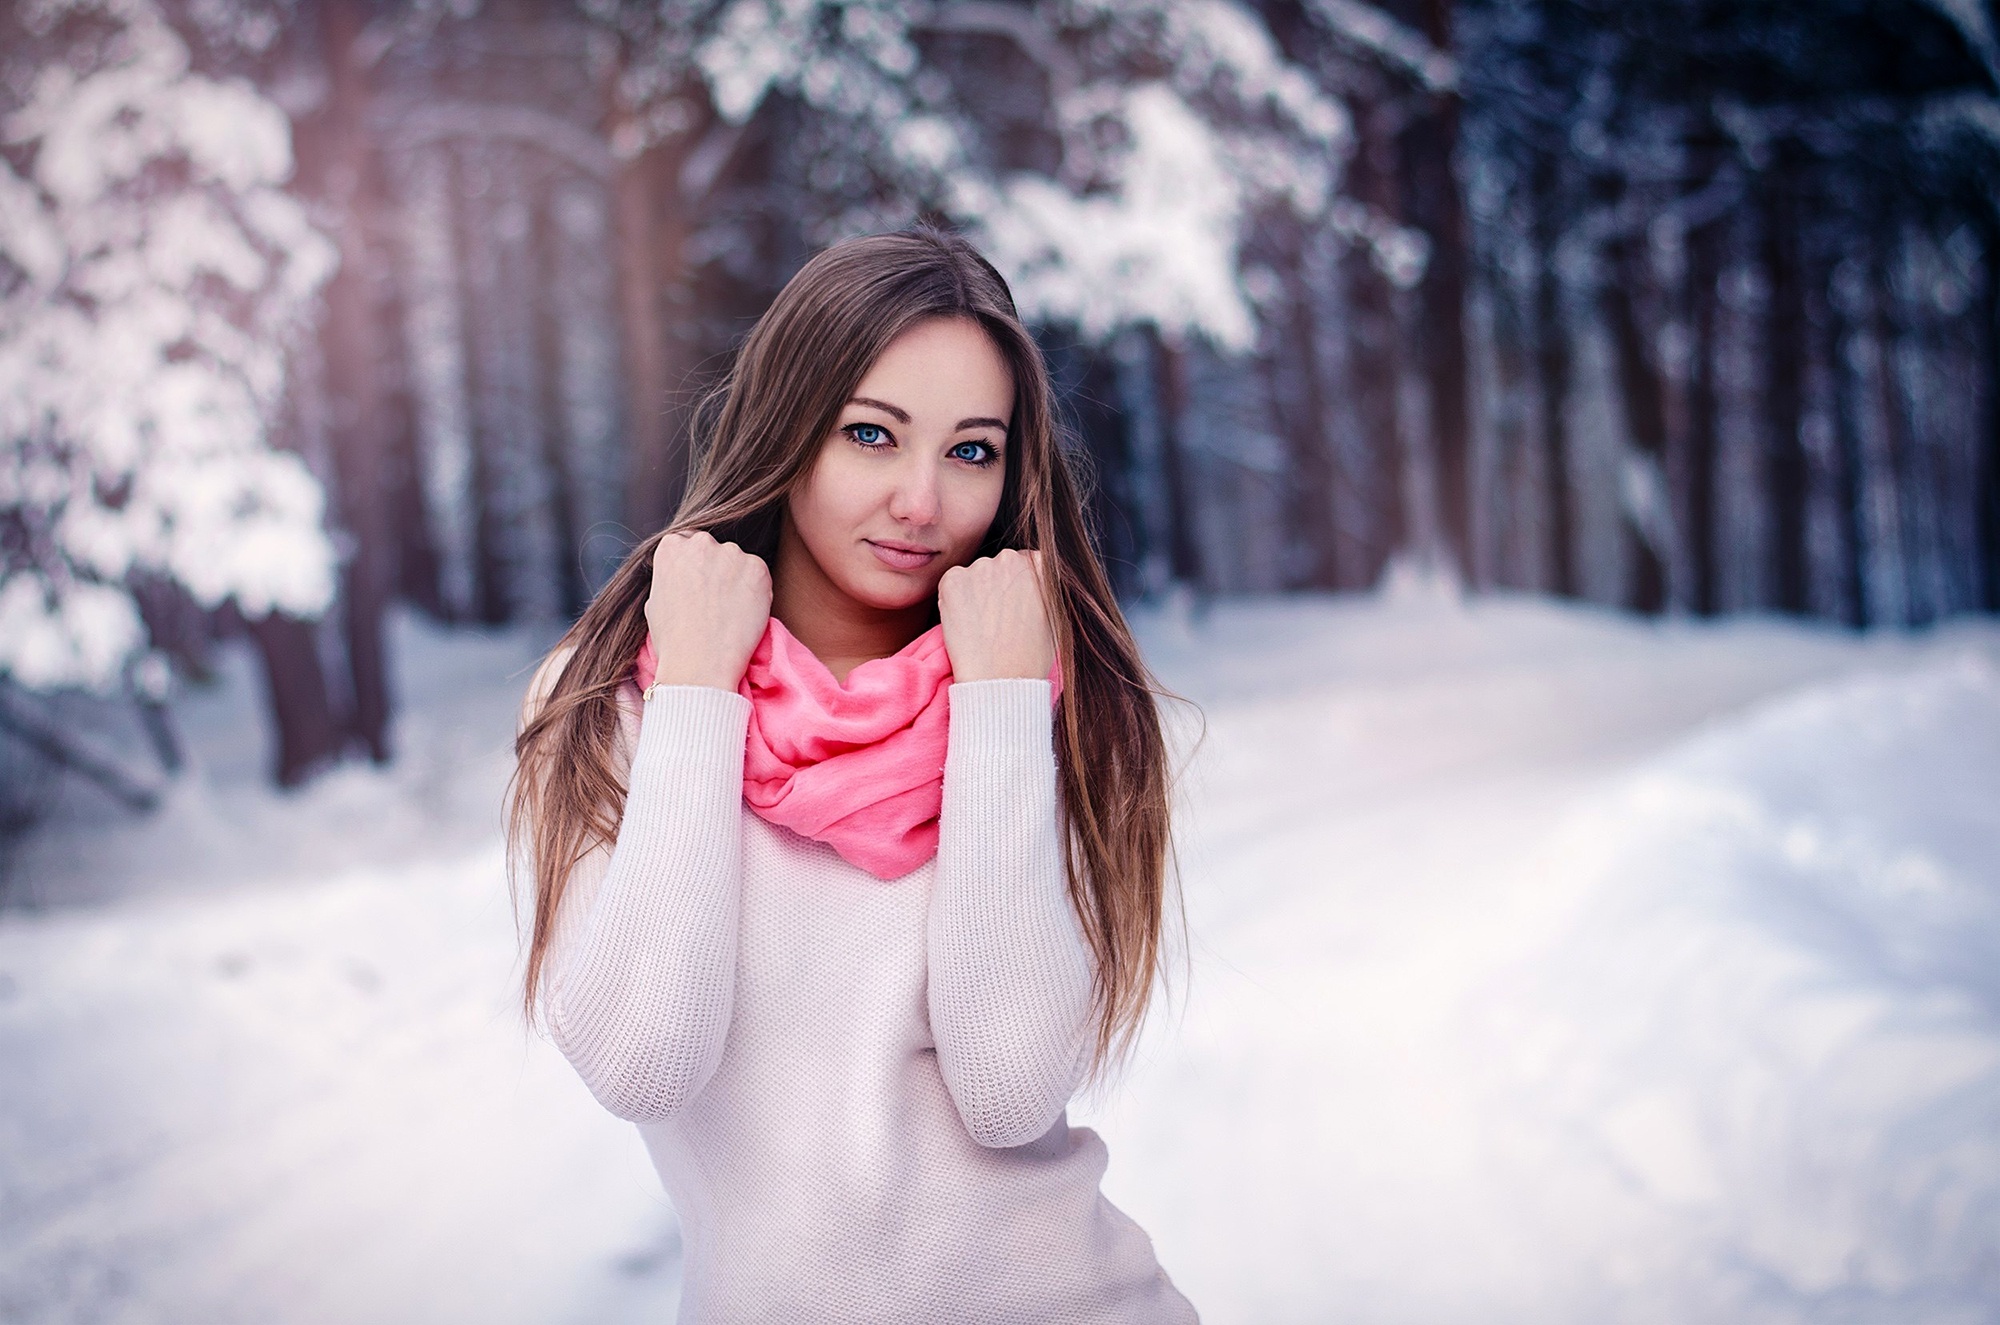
708,608
995,623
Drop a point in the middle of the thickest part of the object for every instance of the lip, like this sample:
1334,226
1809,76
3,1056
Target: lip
901,556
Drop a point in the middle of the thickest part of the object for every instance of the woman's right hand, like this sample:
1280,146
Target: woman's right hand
707,610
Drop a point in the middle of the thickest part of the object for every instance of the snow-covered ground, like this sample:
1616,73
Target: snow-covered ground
1546,966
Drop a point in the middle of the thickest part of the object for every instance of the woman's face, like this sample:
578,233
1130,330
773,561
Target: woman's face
907,483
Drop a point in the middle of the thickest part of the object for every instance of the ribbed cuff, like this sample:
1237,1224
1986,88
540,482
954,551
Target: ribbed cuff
1002,735
697,729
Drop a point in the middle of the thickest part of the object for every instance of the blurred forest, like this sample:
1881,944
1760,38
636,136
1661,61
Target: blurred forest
1678,306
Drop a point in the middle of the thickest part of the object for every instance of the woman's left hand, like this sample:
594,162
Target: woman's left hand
995,623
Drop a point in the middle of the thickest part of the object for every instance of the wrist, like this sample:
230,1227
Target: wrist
1003,674
1004,669
675,667
712,680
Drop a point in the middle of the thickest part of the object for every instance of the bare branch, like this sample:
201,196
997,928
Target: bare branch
48,740
1402,49
417,124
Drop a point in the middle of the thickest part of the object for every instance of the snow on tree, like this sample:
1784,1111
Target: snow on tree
1231,126
152,279
1176,120
1161,249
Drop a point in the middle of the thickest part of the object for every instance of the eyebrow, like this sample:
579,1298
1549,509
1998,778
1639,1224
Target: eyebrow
902,416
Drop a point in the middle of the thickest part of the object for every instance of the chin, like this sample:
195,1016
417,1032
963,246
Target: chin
887,591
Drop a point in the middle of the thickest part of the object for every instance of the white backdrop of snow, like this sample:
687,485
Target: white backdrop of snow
1547,967
135,409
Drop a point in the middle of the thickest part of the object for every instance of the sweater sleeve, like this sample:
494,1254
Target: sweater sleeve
645,954
1010,973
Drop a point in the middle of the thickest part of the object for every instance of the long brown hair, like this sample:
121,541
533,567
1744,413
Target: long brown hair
757,436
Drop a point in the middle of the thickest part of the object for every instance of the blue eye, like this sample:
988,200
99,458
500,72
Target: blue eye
982,454
868,434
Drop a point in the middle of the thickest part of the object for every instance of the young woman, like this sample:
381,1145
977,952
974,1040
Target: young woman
845,804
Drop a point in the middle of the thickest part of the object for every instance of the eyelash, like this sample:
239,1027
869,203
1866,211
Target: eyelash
853,429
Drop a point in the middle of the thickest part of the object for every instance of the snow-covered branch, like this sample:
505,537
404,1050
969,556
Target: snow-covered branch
1176,119
1231,126
418,123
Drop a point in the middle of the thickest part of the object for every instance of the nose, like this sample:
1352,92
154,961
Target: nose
914,500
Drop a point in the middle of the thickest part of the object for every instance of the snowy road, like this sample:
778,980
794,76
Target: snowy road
271,1074
1546,967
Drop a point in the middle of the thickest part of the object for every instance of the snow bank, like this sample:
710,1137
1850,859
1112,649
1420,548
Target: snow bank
1548,969
1761,1074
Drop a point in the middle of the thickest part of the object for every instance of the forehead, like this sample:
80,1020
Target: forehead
942,366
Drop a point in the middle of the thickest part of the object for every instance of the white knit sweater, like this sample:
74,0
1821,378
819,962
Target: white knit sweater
854,1090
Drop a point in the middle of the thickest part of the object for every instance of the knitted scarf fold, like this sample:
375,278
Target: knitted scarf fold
858,766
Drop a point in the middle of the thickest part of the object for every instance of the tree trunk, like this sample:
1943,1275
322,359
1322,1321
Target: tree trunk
1516,548
640,188
1644,397
351,181
1554,369
1987,488
551,408
1786,478
1898,429
1850,477
1437,205
1304,416
1704,278
1088,387
1183,549
414,555
656,205
1375,362
494,589
309,733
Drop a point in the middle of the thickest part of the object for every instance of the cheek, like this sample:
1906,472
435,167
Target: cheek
832,502
971,507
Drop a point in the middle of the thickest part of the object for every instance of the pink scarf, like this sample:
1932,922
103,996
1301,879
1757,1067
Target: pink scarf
858,766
